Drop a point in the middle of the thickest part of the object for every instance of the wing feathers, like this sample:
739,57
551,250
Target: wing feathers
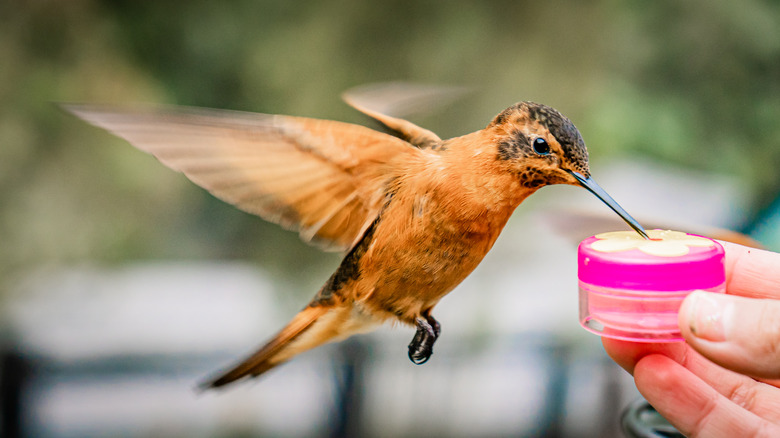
388,102
322,178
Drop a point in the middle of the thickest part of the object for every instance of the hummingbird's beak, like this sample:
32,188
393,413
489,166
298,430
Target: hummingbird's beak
594,188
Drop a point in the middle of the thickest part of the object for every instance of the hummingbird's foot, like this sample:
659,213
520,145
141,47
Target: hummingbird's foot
421,347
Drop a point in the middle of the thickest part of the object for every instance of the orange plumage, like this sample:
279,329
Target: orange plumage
415,213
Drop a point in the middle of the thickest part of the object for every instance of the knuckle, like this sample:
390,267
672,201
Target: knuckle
701,424
769,331
744,395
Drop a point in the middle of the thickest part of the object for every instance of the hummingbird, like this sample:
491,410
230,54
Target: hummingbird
414,214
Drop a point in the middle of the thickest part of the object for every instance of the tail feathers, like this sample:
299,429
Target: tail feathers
310,328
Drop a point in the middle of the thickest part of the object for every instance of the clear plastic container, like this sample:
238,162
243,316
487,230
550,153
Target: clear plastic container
631,288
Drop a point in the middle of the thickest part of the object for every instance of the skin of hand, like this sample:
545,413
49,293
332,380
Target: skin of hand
724,381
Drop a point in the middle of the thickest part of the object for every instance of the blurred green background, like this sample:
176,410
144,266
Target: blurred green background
695,83
691,84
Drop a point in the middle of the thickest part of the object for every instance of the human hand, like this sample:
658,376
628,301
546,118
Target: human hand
738,331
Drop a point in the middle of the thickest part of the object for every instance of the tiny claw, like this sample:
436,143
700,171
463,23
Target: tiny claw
420,353
420,357
421,347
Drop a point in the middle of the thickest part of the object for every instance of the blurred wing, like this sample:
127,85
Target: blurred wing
325,179
387,102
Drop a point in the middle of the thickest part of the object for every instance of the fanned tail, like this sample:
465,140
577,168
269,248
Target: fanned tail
311,327
277,350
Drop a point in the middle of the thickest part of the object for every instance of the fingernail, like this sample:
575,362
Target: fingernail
707,314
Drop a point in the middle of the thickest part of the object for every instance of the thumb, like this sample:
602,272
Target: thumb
738,333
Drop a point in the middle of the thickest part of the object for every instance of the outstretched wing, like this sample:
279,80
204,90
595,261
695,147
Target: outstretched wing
387,102
325,179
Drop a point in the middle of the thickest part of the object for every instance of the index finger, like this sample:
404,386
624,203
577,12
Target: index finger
752,272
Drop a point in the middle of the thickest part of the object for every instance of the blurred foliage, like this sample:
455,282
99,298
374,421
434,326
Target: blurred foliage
696,83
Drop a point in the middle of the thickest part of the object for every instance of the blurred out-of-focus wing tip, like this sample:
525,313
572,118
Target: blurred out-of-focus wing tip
402,99
390,102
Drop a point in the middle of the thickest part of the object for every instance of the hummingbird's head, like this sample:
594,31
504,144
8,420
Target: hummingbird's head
542,147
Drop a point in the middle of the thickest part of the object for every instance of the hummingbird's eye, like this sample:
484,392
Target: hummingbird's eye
541,147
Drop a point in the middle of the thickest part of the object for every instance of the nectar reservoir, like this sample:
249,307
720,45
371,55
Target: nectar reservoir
631,288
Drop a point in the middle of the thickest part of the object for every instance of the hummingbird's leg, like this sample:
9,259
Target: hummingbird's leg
435,324
421,347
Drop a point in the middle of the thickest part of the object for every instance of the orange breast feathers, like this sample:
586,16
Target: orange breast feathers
432,233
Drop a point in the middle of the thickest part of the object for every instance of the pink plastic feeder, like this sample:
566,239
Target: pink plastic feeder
631,288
